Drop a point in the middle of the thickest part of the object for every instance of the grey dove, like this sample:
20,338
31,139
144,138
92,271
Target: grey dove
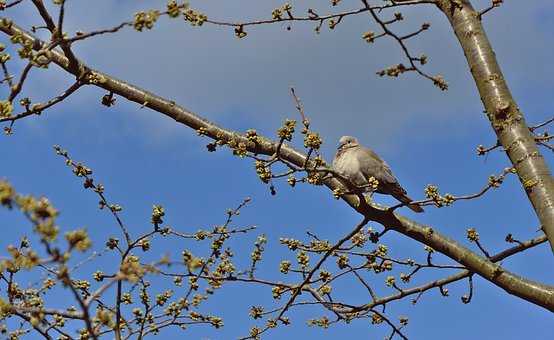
357,164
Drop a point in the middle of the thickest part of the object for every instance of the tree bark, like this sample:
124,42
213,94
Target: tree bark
502,111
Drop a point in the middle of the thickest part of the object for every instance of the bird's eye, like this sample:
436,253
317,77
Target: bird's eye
348,142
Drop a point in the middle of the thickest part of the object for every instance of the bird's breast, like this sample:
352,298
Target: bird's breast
345,164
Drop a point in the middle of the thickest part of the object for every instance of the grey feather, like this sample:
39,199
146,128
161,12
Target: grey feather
357,164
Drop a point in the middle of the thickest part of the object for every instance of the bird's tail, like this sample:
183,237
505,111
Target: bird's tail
402,197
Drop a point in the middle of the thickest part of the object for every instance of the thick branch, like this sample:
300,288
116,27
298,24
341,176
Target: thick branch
502,111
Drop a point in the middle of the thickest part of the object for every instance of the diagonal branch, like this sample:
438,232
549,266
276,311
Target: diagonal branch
38,108
452,278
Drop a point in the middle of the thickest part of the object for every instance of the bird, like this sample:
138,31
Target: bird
358,164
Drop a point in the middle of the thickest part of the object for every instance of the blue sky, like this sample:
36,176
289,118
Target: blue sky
427,136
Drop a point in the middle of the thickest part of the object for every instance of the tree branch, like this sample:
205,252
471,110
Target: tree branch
539,294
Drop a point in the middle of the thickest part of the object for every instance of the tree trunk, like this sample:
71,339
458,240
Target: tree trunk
502,111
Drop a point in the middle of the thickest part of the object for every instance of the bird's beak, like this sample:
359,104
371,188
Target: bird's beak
340,146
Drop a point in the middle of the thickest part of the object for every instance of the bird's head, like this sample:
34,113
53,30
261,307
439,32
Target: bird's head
346,142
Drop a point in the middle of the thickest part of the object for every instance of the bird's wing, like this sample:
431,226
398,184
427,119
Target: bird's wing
373,165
